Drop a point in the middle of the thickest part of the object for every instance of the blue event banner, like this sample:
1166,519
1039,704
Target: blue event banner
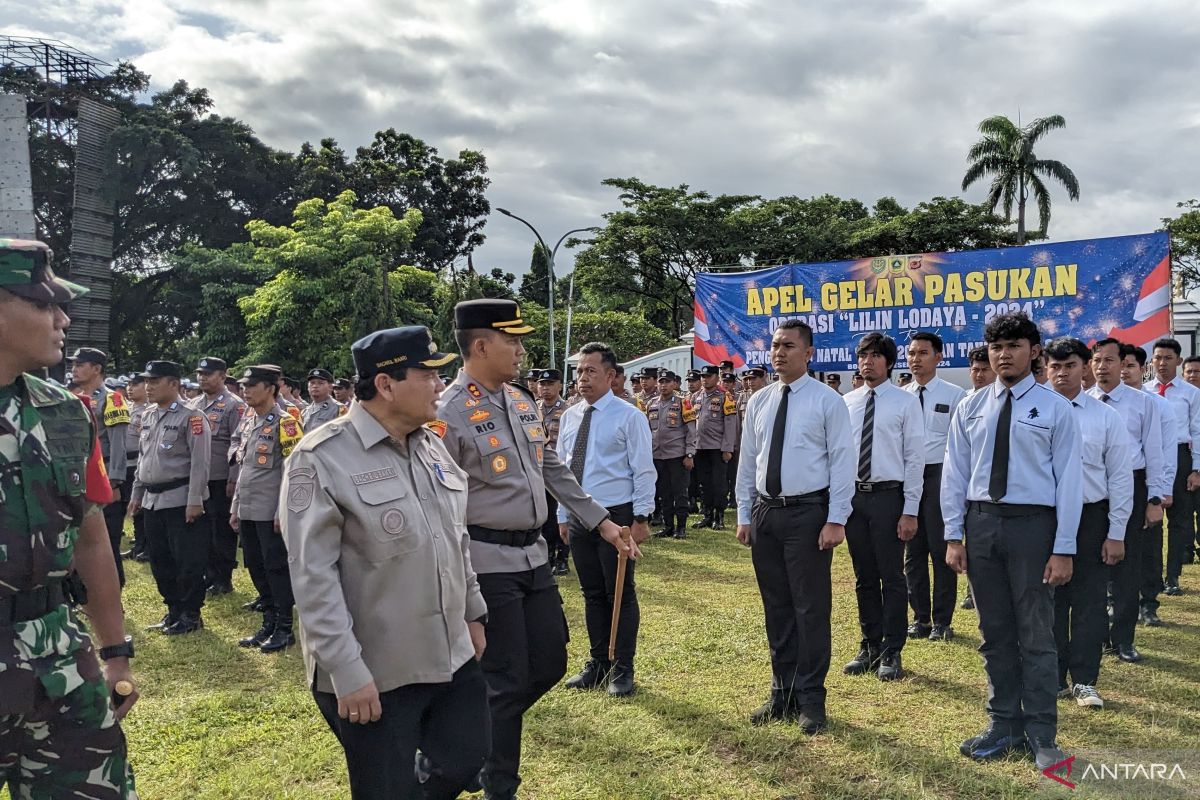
1090,289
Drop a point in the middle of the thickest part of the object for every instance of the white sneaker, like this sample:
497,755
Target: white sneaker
1087,696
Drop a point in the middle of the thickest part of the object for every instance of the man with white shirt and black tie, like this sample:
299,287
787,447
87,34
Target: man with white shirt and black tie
1080,615
1012,493
606,444
1142,423
1185,403
794,488
938,399
889,434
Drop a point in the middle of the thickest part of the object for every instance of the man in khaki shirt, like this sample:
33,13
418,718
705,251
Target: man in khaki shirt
391,615
170,487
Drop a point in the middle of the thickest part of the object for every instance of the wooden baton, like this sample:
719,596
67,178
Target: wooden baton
618,590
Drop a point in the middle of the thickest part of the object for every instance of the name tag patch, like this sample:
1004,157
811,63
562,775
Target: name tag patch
373,476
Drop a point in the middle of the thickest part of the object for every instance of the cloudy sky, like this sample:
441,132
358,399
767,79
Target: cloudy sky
859,98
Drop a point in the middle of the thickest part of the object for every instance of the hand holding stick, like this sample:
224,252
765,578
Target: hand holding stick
618,590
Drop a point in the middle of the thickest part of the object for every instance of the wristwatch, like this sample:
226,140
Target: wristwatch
640,518
122,650
1155,501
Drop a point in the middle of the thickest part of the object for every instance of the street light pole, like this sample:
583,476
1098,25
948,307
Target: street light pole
550,253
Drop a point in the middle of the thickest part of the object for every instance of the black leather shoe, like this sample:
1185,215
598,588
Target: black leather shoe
771,711
718,522
811,719
995,742
262,634
129,554
681,534
1045,752
164,623
703,522
665,533
1171,589
281,638
254,605
142,557
592,675
219,588
968,600
866,661
1128,653
941,633
1150,618
187,623
621,682
890,668
919,630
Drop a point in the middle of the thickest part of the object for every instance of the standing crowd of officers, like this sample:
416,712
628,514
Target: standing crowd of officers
418,528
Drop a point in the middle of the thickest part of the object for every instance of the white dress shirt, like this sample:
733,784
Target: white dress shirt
1143,424
1107,473
1185,402
941,400
1043,462
619,465
898,446
819,452
1166,420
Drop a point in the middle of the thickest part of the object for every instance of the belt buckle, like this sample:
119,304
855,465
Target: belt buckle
864,486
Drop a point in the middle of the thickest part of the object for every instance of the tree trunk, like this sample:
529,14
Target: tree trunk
1021,214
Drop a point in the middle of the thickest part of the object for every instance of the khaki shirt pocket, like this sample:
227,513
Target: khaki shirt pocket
391,520
497,454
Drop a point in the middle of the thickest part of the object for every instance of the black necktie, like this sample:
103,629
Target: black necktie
921,396
868,438
579,451
775,454
998,485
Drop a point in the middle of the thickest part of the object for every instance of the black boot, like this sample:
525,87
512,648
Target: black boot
594,674
705,521
257,604
281,637
718,521
263,633
681,526
665,533
188,622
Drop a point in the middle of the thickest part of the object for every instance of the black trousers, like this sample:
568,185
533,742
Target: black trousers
526,656
1080,608
877,554
672,489
694,492
929,545
1006,557
139,522
114,521
794,579
222,548
178,553
1151,580
710,467
448,722
266,559
557,549
731,470
1126,575
1181,522
596,568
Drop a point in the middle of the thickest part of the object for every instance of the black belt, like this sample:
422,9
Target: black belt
506,538
819,496
32,603
1099,504
1008,509
159,488
878,486
1139,473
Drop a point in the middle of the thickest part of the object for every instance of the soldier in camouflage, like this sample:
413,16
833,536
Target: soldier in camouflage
59,735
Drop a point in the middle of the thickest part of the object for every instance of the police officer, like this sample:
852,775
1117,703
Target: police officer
264,439
224,410
377,494
343,391
716,437
136,389
111,412
323,407
494,432
619,388
170,489
551,405
53,742
729,383
673,433
531,378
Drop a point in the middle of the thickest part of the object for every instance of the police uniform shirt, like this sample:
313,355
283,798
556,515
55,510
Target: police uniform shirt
1142,424
224,414
1185,403
500,440
672,427
716,420
112,426
941,400
379,556
1107,474
551,418
742,400
263,444
898,443
1043,464
818,454
133,434
317,414
176,443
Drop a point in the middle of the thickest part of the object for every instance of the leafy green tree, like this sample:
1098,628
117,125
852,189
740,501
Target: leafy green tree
1185,245
630,335
1005,153
535,283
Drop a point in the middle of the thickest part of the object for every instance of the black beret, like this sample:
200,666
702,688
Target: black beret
211,364
90,355
320,374
163,369
407,346
492,315
549,375
264,373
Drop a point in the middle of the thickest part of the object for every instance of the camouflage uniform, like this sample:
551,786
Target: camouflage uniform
58,736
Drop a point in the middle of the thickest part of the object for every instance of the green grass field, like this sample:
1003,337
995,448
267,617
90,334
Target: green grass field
217,721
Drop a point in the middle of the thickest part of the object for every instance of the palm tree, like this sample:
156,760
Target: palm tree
1006,153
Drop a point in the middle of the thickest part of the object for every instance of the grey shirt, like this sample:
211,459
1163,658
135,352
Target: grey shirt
317,414
112,421
716,420
175,444
133,434
552,417
224,413
263,442
499,439
672,427
379,556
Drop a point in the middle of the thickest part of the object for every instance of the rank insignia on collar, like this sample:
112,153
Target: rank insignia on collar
473,390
